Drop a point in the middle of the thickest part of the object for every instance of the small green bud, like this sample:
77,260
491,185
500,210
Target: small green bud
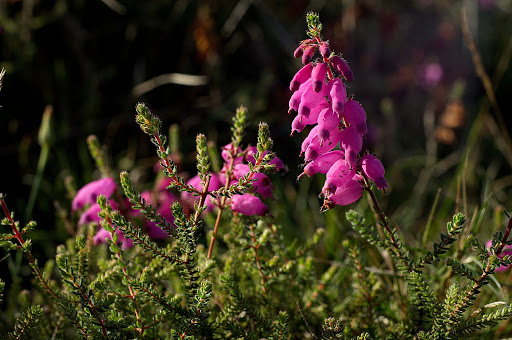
80,241
459,219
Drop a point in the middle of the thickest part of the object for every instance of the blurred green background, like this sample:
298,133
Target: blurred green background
428,116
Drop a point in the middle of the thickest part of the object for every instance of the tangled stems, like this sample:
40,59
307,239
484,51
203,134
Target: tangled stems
24,245
482,280
108,225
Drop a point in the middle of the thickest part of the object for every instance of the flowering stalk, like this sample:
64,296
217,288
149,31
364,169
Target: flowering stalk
320,99
151,124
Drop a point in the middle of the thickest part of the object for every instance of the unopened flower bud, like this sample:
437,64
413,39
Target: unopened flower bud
342,67
308,54
301,77
324,49
299,51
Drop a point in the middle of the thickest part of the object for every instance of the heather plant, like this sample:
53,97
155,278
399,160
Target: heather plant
206,256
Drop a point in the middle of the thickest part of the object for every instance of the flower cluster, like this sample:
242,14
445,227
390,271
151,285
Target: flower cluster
320,98
87,195
236,166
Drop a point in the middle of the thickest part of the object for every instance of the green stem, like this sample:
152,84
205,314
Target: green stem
41,164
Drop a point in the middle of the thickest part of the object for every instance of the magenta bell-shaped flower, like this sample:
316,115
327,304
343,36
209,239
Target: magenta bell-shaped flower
328,121
352,143
294,102
373,168
346,194
340,173
355,115
305,143
323,163
301,77
311,100
318,76
262,184
90,192
228,151
339,95
249,205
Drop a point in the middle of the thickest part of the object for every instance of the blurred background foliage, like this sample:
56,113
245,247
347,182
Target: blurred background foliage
443,143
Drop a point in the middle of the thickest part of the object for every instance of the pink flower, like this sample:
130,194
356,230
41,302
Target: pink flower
351,142
373,168
215,183
91,214
90,192
346,194
507,250
164,199
252,150
228,151
102,235
339,174
318,76
301,77
262,184
430,74
310,100
300,50
328,120
339,95
355,115
294,102
323,163
249,205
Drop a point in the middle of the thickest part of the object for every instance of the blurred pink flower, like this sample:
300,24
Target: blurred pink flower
91,214
162,204
215,183
430,75
249,205
90,192
102,235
